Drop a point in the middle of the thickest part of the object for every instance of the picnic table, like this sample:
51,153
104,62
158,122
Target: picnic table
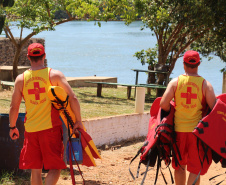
7,84
129,87
149,71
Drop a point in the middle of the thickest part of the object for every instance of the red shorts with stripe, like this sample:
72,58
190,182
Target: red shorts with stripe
43,148
187,144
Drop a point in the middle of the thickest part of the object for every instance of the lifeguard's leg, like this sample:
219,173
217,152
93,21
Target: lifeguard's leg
191,179
180,175
36,178
52,177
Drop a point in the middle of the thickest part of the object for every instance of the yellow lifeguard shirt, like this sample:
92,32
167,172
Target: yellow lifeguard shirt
189,101
40,114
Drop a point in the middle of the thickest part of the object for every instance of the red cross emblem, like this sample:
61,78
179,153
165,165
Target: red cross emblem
188,95
37,90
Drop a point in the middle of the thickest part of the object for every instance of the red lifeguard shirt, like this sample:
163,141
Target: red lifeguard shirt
40,114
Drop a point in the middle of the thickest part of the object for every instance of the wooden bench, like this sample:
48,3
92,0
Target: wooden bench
7,85
129,87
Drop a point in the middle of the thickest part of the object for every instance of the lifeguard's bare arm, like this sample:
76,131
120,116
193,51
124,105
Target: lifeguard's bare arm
209,94
58,79
168,95
15,105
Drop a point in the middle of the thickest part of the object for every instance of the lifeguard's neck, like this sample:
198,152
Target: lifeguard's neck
37,65
191,71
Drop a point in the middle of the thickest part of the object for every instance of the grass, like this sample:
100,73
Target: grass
113,102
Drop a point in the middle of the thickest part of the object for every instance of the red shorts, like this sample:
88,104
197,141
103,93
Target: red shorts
187,144
43,148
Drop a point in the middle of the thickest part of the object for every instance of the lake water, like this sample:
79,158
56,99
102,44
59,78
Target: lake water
80,48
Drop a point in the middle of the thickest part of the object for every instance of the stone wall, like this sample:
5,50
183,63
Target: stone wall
7,51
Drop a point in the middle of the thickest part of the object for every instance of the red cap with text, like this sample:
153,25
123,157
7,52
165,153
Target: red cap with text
191,55
35,49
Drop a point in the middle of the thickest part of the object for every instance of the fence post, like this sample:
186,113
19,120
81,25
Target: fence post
140,99
224,83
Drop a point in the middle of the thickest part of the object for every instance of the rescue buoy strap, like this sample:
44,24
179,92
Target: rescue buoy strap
223,150
205,124
59,100
200,130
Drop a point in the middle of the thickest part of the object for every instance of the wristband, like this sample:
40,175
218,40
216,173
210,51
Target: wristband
12,127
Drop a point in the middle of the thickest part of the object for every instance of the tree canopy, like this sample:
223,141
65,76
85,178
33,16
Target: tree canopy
38,15
4,3
177,25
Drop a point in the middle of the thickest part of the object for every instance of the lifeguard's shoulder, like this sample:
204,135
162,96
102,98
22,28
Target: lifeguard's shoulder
19,82
56,73
173,82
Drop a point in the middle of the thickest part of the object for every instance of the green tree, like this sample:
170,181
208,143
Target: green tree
3,4
38,15
177,25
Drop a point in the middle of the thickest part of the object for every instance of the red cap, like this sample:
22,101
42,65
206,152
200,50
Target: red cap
191,55
35,49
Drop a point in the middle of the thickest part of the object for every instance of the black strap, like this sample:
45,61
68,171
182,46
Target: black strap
165,125
216,176
205,124
139,151
71,166
220,182
200,130
162,131
138,168
145,173
157,171
59,100
163,176
171,175
147,166
223,150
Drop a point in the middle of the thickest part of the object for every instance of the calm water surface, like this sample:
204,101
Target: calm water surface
80,48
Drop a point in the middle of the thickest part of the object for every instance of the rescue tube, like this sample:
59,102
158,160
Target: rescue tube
59,99
211,129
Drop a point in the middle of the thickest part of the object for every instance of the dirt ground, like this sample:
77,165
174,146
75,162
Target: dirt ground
113,169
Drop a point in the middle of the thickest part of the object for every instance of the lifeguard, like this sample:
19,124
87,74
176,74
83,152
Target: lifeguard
192,93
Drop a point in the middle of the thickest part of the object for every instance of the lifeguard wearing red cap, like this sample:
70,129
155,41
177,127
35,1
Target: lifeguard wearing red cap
35,49
191,55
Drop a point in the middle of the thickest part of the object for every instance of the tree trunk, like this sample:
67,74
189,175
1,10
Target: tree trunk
15,62
151,78
161,78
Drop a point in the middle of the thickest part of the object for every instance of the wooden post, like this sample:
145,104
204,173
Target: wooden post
99,89
224,83
128,92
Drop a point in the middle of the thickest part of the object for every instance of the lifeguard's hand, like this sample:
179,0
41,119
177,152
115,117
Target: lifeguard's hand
14,134
78,124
